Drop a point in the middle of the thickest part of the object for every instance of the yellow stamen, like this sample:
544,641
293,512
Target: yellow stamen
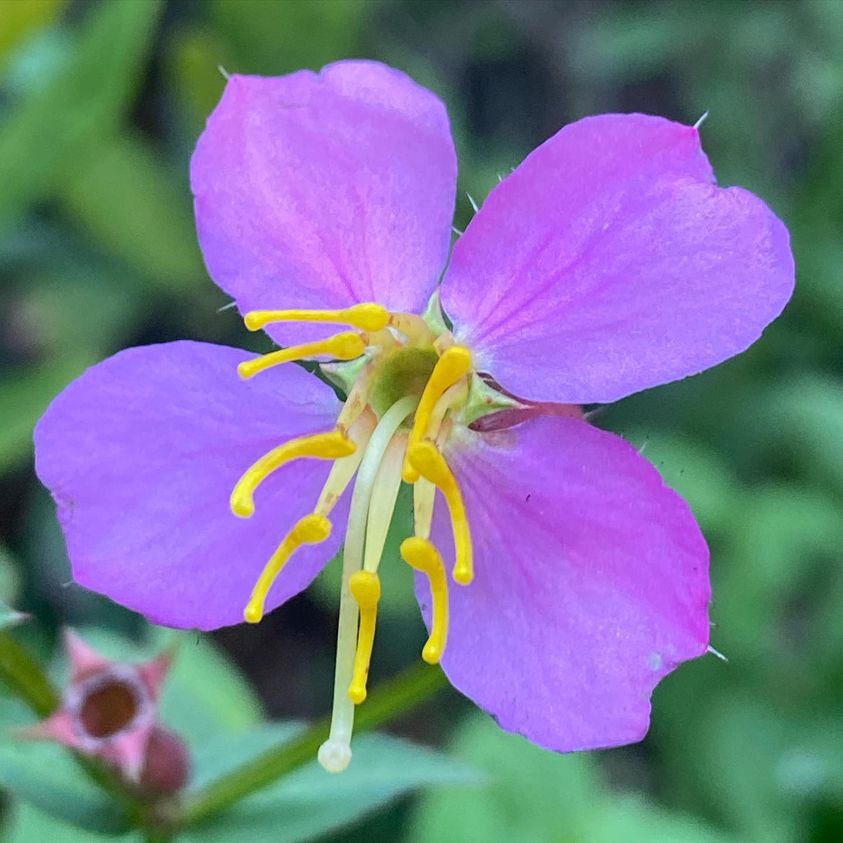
343,346
358,397
382,503
452,366
326,446
413,327
335,752
429,463
344,468
367,317
366,589
424,497
420,554
311,529
452,397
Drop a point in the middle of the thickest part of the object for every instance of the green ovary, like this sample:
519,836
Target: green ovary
402,373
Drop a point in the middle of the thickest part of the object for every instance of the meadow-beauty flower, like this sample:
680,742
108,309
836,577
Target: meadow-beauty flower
109,710
608,262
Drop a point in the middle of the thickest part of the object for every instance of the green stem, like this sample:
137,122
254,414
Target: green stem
396,696
23,675
390,699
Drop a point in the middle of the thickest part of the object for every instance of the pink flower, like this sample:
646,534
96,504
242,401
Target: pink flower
109,710
607,263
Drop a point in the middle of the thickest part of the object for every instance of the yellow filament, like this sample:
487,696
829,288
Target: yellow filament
344,468
429,463
424,496
365,588
382,502
413,327
343,346
452,397
327,446
367,317
358,397
451,367
420,554
311,529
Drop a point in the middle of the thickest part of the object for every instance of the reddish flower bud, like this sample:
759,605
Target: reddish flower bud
109,710
167,764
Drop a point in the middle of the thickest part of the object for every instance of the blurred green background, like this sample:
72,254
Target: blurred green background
100,105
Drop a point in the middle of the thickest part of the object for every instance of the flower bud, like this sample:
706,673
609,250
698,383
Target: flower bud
167,764
109,710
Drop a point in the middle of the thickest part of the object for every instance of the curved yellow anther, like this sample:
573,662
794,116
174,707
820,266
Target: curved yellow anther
367,317
453,365
365,587
343,346
426,459
311,529
422,555
327,446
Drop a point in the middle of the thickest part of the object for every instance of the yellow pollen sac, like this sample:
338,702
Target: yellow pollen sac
421,554
365,587
327,446
429,463
311,529
343,346
453,365
367,317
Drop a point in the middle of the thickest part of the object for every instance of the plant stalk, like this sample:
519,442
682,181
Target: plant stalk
24,676
414,685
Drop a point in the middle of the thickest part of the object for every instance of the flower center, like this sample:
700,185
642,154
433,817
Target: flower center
108,709
108,703
405,386
402,372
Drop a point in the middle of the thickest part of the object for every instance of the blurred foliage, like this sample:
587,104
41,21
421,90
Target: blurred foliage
542,798
100,104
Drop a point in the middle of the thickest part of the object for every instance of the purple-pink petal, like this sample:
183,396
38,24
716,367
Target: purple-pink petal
609,262
141,454
325,190
591,583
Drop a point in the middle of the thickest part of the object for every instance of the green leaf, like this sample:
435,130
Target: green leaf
13,712
535,796
124,197
103,305
761,766
29,825
8,616
274,38
632,820
74,107
20,20
758,584
807,416
222,754
24,396
193,58
205,695
46,776
10,578
310,802
698,474
532,797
